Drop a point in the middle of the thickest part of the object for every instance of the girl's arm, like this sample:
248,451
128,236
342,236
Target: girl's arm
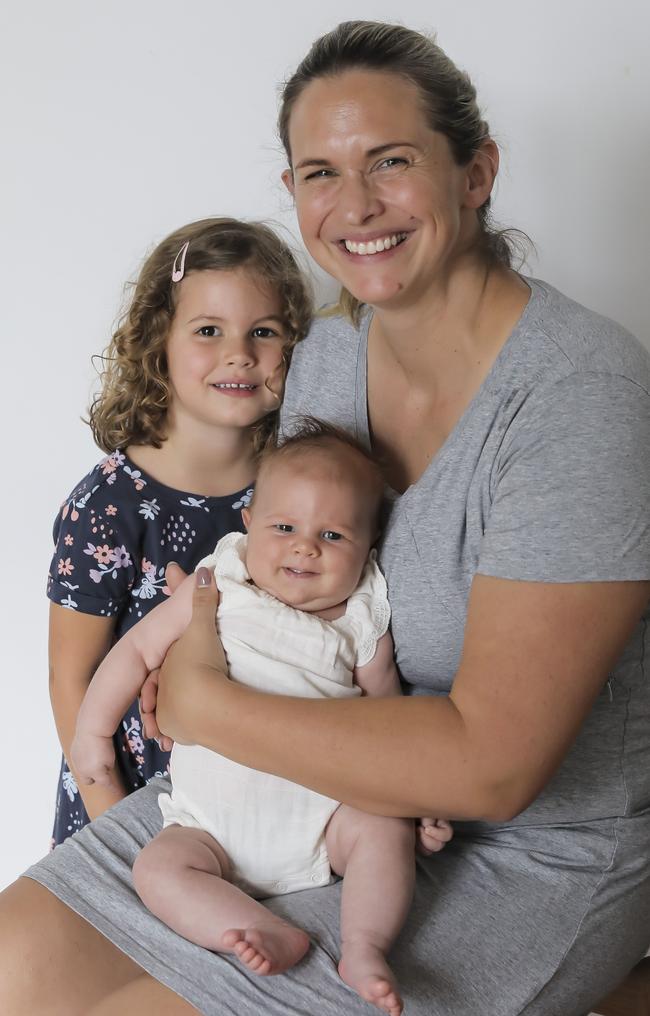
77,644
118,680
535,657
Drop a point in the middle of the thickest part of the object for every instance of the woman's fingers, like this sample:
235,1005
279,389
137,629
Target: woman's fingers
201,635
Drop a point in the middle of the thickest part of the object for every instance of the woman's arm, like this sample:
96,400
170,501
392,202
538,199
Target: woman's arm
535,657
77,644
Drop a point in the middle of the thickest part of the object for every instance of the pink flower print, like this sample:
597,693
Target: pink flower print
111,509
65,567
109,465
148,567
118,458
121,557
103,554
68,540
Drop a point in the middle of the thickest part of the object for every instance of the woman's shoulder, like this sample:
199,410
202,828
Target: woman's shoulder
579,339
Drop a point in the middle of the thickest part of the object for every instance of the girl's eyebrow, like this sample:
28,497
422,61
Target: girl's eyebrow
377,150
214,317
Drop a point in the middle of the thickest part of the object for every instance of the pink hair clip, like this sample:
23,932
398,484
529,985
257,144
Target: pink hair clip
178,268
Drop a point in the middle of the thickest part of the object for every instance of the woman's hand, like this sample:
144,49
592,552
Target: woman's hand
193,668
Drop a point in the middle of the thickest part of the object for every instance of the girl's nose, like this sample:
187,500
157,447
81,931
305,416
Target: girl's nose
240,352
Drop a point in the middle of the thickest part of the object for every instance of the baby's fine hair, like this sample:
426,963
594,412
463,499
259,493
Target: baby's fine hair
131,406
310,438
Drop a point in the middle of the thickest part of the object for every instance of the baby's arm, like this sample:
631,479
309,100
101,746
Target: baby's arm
118,680
379,678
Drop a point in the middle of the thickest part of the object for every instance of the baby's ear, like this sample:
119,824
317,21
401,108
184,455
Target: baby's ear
246,517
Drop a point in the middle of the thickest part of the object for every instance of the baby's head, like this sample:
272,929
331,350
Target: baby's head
133,404
314,517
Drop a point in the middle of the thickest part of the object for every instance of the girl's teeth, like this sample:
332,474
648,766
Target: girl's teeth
374,246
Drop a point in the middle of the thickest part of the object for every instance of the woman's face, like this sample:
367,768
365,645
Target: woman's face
382,206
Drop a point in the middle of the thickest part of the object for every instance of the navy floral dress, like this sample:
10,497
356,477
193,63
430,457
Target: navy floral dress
114,536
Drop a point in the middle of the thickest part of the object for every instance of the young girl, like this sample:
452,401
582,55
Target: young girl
303,611
192,382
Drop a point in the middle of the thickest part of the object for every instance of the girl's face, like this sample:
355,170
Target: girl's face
224,350
382,206
309,533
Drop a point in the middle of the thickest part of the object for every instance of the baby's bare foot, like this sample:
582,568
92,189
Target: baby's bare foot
267,948
364,967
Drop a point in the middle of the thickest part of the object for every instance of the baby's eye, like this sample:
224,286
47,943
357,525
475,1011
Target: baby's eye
209,331
329,534
283,527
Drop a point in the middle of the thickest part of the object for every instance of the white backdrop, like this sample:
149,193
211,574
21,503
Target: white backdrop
122,121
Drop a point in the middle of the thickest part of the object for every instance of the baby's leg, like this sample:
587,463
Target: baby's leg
376,856
181,876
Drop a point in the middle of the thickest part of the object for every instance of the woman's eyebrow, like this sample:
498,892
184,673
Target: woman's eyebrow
377,150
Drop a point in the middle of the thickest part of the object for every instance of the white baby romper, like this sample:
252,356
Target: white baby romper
272,829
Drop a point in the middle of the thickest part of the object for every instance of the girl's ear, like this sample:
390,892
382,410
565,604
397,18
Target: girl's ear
246,517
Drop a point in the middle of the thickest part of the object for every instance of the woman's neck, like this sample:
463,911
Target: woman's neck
457,326
200,460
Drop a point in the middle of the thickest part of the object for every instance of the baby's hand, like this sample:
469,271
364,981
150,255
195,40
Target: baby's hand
432,834
93,759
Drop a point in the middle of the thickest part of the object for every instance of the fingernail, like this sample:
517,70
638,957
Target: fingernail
202,577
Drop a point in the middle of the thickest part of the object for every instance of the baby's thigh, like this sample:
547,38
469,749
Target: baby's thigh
173,851
350,830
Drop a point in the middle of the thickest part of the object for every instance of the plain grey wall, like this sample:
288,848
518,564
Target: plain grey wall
124,120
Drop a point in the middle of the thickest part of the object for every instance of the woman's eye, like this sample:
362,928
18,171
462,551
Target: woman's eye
329,534
320,174
391,162
209,331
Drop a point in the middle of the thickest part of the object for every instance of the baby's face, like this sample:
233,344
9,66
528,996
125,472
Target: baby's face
309,534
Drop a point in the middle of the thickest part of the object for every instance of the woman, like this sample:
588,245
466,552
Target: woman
514,429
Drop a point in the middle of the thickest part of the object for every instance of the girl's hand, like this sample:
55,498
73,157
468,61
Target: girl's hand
148,699
93,759
432,834
193,668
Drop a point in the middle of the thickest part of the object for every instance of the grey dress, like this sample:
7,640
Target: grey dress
545,478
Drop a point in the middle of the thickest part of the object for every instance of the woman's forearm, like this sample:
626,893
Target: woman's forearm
355,751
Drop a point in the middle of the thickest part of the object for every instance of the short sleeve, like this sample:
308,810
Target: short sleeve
369,610
570,488
92,569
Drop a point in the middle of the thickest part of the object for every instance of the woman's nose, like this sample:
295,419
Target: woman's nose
358,199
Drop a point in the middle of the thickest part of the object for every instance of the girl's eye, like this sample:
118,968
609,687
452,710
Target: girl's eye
264,332
209,331
329,534
283,527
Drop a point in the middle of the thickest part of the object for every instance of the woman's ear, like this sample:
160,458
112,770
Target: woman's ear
287,180
246,517
481,174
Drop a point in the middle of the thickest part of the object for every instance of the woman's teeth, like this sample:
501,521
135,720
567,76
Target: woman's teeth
228,385
374,246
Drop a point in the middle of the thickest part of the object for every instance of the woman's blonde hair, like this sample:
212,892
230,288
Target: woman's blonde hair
131,406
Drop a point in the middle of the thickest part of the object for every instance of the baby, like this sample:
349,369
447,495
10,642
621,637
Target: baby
303,611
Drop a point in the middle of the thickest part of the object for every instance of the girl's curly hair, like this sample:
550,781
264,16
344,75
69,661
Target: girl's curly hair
131,406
